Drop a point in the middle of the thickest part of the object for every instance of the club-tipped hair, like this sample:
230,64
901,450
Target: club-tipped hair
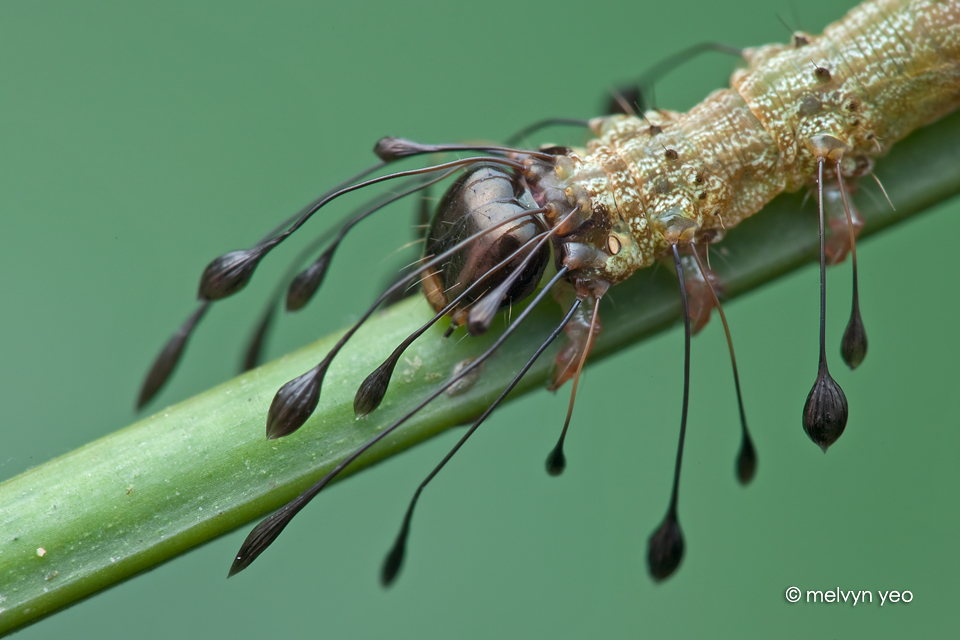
393,562
267,531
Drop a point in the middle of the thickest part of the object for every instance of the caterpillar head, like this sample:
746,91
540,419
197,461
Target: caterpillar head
485,197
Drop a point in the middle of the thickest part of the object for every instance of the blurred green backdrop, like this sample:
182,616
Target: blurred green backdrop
137,141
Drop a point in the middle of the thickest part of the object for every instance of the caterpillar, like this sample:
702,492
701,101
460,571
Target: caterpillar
591,389
650,184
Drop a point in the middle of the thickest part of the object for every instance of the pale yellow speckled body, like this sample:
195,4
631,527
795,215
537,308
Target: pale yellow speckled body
887,68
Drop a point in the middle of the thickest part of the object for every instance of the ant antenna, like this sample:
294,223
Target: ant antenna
267,531
825,411
394,560
747,458
853,347
556,461
665,546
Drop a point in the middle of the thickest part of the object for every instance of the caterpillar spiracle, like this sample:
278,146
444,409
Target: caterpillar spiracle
864,513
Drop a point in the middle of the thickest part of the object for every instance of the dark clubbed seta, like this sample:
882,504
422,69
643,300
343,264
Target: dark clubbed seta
483,197
487,247
853,347
665,546
825,411
502,266
746,464
230,272
169,356
394,560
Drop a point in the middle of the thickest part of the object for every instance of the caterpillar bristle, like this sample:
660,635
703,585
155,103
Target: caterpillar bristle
746,463
825,411
665,546
556,460
394,560
853,347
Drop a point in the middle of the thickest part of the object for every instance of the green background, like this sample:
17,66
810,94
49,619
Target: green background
139,141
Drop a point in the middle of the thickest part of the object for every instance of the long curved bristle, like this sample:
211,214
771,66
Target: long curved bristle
267,531
556,460
394,560
665,546
853,347
824,415
746,466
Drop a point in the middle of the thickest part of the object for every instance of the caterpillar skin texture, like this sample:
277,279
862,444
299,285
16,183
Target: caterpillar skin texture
845,97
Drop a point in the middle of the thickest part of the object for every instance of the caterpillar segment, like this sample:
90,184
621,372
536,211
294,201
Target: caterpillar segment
843,98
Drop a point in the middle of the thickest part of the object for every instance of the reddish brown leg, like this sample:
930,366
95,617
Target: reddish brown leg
700,300
578,331
838,245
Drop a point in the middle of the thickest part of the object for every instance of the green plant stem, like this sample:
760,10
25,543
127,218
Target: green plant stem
138,497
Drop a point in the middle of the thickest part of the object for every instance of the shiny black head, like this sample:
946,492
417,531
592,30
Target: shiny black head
483,198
